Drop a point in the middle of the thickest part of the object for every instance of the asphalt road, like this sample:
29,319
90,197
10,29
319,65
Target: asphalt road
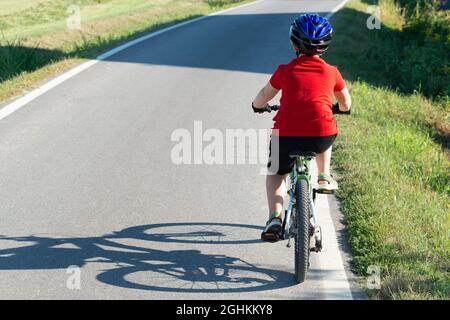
87,178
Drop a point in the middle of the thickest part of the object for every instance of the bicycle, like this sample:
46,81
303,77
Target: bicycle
300,222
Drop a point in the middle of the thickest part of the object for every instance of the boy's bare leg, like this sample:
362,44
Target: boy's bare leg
323,165
276,190
323,161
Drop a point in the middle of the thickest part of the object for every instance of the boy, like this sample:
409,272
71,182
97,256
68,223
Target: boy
305,120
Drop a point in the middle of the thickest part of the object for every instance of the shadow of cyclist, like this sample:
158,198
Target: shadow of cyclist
142,267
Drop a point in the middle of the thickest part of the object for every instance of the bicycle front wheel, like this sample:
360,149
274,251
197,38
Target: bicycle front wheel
302,230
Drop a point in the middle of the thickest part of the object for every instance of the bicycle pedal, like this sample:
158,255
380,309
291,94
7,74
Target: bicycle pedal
324,191
271,237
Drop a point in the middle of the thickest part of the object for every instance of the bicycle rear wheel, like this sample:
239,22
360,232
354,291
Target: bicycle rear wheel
302,230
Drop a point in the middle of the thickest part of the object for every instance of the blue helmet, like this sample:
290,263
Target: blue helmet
311,34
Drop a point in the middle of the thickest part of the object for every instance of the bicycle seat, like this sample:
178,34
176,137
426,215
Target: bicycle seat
305,154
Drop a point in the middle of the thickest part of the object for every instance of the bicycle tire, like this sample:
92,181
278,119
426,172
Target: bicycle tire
302,230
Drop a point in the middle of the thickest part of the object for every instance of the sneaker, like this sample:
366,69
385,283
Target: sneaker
329,186
272,231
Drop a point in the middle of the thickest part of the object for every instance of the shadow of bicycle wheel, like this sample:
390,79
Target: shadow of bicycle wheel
195,272
195,233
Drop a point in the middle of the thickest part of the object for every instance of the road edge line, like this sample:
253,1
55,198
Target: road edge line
336,9
341,275
23,100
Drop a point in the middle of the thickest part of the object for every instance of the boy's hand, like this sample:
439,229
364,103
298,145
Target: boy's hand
335,109
265,108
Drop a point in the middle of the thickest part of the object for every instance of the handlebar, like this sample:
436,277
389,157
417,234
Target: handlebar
275,107
336,109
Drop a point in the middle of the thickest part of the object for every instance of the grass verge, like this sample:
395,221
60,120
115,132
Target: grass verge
392,161
35,42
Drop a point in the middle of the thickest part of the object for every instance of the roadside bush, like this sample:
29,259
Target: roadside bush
423,51
219,3
16,58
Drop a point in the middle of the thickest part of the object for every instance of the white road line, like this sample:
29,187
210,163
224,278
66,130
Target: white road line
334,278
336,9
20,102
331,268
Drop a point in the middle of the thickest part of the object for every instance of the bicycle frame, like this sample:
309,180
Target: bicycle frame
299,171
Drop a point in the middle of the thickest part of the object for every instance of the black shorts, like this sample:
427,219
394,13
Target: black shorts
288,144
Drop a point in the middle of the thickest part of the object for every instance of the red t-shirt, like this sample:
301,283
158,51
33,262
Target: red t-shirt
307,84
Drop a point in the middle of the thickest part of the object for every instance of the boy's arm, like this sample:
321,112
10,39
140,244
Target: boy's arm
344,99
264,95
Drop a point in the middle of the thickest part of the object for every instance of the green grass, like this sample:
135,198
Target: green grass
392,162
8,7
50,16
35,42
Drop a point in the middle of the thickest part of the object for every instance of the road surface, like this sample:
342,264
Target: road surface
88,180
